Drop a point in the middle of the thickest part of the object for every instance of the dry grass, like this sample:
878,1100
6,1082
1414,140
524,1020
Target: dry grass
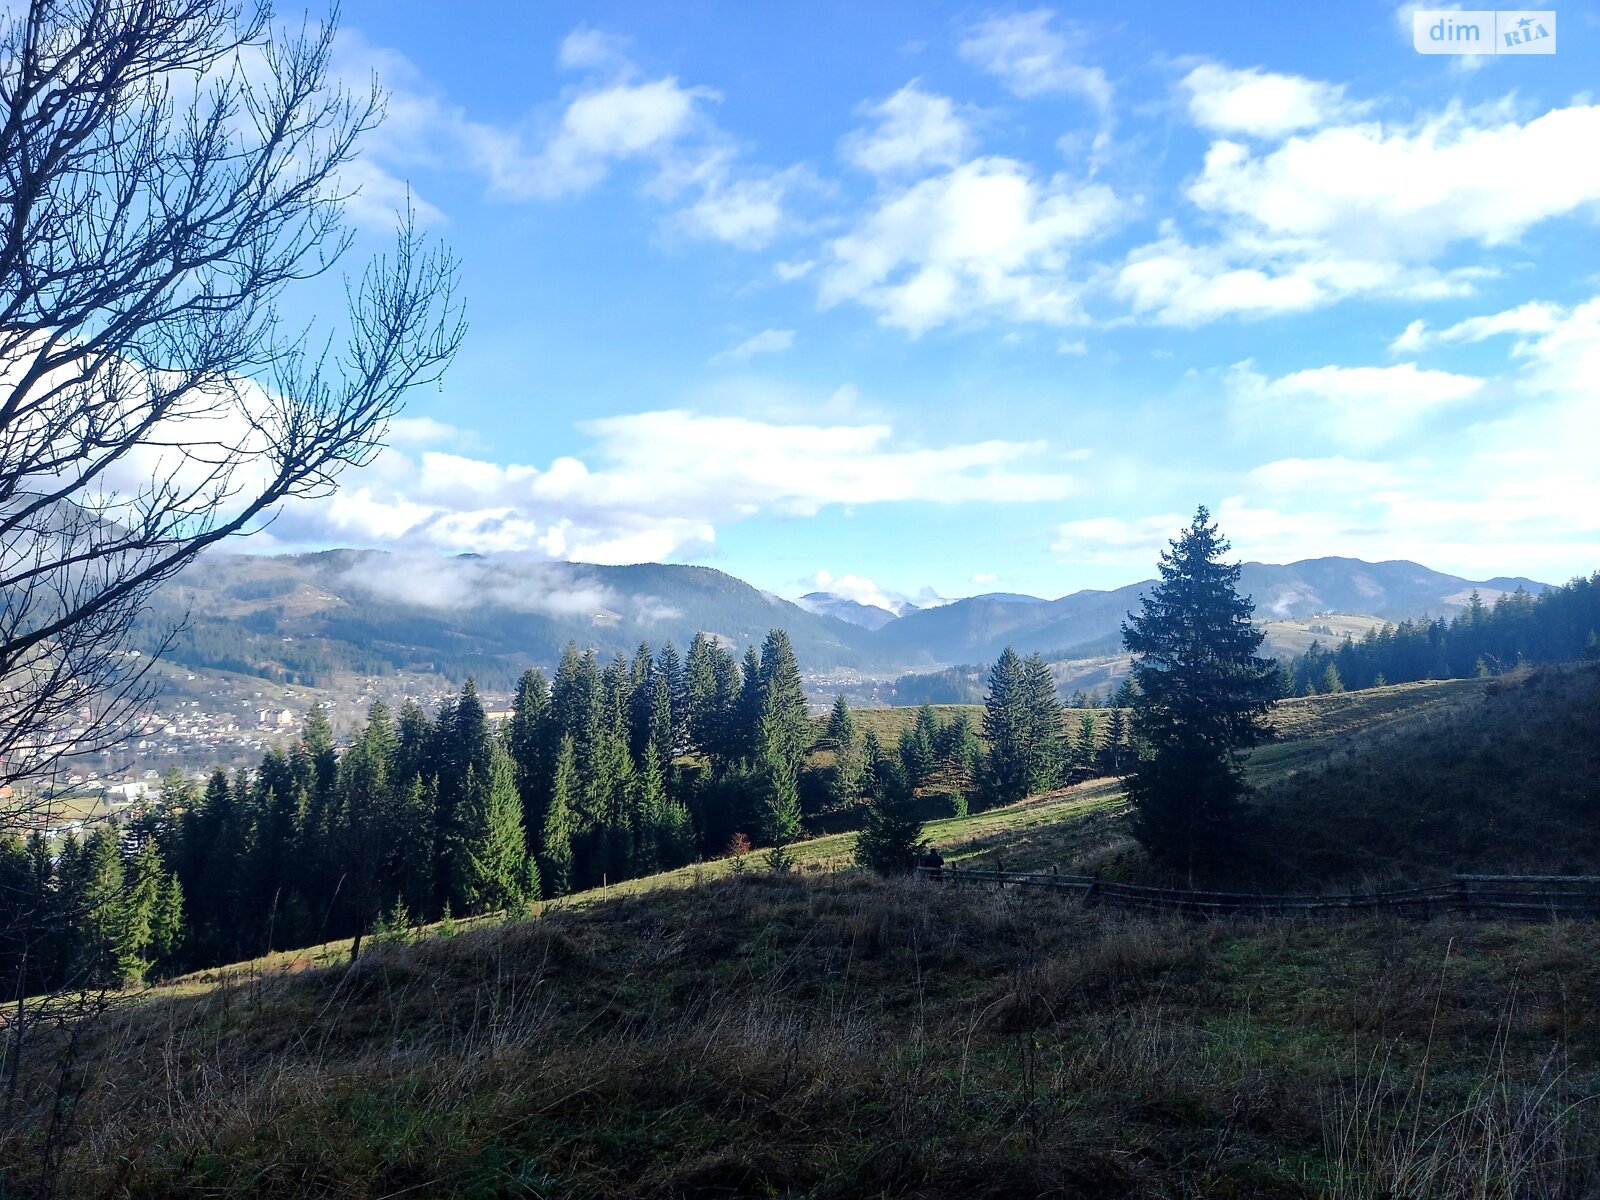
845,1036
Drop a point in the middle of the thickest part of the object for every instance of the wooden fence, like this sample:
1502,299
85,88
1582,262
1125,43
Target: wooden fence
1524,897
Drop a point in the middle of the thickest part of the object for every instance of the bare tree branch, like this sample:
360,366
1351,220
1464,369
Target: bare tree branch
167,169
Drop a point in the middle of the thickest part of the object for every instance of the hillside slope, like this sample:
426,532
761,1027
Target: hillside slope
772,1036
375,612
1506,783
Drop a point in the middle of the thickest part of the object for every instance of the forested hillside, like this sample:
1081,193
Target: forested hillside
1559,625
303,618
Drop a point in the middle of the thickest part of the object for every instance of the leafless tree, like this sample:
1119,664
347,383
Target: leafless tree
167,169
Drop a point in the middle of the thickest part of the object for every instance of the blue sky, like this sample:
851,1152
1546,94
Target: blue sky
890,297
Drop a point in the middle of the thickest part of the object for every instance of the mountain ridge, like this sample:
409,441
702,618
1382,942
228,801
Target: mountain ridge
309,614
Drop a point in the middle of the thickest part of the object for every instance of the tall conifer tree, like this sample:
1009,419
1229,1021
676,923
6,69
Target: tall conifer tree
1202,696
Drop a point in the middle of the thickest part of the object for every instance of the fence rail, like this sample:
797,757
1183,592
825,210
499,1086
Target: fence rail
1520,897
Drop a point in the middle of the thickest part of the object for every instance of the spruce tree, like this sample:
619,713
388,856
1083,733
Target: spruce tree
744,740
410,873
1009,768
166,927
700,688
785,726
1113,752
671,668
641,700
364,823
1042,707
871,755
841,726
662,740
490,858
527,737
649,813
891,839
841,733
780,792
1202,698
1087,751
555,839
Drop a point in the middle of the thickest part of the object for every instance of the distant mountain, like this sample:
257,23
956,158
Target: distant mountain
1394,589
868,616
1087,623
308,618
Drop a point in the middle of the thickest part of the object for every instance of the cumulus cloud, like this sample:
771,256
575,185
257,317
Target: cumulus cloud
856,587
768,341
1350,209
988,238
657,485
744,207
1511,490
915,130
1032,57
586,49
1406,193
1360,406
612,118
1178,283
598,128
1260,103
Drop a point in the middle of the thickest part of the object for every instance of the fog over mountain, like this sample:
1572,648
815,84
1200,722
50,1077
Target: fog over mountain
307,616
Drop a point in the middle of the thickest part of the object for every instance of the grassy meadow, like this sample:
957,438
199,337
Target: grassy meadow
724,1031
847,1036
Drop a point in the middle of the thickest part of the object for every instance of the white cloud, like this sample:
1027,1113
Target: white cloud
982,577
790,271
377,200
1252,276
746,209
417,431
768,341
915,130
594,50
1534,317
1260,103
659,485
1492,526
1361,209
598,128
1512,491
520,583
985,239
1405,194
855,587
1033,59
1115,539
613,117
1360,406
